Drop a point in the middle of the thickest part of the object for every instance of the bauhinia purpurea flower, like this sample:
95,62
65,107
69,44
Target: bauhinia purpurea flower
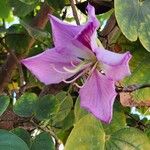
76,53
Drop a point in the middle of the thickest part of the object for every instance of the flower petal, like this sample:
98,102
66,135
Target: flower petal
63,32
115,66
100,98
48,66
88,35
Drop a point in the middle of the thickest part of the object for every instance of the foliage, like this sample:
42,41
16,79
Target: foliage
46,116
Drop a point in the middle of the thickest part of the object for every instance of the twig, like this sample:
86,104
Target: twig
132,88
74,12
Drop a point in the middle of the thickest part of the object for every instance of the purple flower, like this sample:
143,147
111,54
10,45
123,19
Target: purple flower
76,53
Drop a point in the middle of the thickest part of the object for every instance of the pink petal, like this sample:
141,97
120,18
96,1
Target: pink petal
63,32
64,36
48,66
98,95
88,35
115,66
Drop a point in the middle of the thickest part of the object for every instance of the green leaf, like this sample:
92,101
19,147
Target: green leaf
25,105
21,9
4,9
78,111
23,134
17,39
118,120
54,108
148,132
9,141
88,134
127,138
63,128
29,2
4,102
133,17
45,107
37,34
64,105
43,142
57,4
140,73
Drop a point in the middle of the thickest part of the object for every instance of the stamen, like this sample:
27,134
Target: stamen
73,64
93,68
76,69
58,70
76,77
77,85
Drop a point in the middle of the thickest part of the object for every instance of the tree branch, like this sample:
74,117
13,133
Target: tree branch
74,12
132,88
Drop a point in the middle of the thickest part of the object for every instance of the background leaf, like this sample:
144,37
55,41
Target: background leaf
9,141
21,9
140,66
88,134
23,134
127,138
134,20
4,9
43,142
26,105
4,102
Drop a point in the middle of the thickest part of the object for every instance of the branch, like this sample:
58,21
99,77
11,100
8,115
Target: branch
74,12
132,88
6,70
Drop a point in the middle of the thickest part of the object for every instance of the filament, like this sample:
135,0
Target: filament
70,81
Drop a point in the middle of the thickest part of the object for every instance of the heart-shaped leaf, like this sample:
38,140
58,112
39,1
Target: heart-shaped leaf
133,17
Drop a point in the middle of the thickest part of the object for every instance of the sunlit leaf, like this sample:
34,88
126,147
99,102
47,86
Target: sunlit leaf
133,17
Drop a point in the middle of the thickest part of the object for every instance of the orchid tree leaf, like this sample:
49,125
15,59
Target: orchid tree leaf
64,105
78,111
4,9
63,128
4,102
9,141
139,66
23,134
43,141
21,9
88,134
118,120
54,108
46,105
25,105
133,17
127,138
